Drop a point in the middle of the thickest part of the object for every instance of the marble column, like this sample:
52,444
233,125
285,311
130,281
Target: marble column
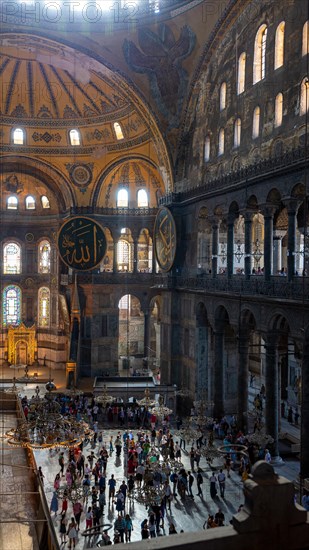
243,372
268,241
146,333
215,248
277,250
219,373
230,247
115,267
135,254
292,207
272,396
248,243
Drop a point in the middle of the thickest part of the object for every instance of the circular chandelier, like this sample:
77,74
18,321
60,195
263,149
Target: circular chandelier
149,495
72,392
211,453
146,401
74,493
47,431
159,410
189,434
260,438
104,399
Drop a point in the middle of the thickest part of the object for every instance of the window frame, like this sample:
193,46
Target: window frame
279,46
241,73
259,56
23,132
71,140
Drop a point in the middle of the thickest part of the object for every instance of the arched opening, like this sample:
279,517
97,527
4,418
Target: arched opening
144,252
131,333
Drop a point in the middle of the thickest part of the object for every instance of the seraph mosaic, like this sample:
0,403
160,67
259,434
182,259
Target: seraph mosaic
160,56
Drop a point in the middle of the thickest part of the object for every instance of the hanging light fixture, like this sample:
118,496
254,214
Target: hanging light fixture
74,493
146,401
159,410
104,399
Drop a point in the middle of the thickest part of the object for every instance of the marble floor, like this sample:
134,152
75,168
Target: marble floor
189,514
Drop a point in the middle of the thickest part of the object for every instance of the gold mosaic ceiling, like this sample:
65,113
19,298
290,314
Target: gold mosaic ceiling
48,85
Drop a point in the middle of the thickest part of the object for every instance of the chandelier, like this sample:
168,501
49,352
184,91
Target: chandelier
104,399
74,493
149,495
146,401
211,453
159,410
46,427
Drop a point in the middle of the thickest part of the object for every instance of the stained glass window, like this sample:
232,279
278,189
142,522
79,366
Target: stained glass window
11,258
11,305
44,257
44,307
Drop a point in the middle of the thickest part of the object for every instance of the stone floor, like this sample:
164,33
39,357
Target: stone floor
188,515
17,512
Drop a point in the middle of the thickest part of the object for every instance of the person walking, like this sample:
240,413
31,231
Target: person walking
111,485
72,533
190,484
128,528
192,458
221,480
54,503
89,517
63,529
120,526
77,511
199,482
213,485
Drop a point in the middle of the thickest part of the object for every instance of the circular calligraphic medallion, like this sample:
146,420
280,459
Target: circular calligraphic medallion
81,175
165,239
81,243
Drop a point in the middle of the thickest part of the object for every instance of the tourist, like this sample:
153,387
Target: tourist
54,503
111,485
213,485
72,533
199,482
89,518
77,511
120,526
128,528
63,529
221,480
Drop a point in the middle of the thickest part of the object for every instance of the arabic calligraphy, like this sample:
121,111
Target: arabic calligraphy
165,239
81,243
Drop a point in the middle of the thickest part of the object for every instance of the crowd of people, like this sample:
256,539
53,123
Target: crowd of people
151,454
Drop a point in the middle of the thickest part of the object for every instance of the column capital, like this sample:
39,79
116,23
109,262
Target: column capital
268,210
292,204
278,234
248,215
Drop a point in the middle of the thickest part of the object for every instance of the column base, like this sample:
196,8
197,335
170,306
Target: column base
277,461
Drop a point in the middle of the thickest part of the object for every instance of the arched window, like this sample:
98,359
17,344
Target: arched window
305,48
237,132
142,198
259,54
278,109
11,258
11,305
118,131
304,96
279,46
18,136
45,202
256,122
241,73
44,307
123,255
221,142
207,149
44,257
74,136
222,98
122,198
12,203
30,203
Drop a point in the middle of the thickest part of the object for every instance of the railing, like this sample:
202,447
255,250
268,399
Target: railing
277,287
244,175
106,277
103,211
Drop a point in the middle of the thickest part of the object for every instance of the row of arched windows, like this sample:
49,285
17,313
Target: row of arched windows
259,59
12,263
12,301
30,202
74,135
256,120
